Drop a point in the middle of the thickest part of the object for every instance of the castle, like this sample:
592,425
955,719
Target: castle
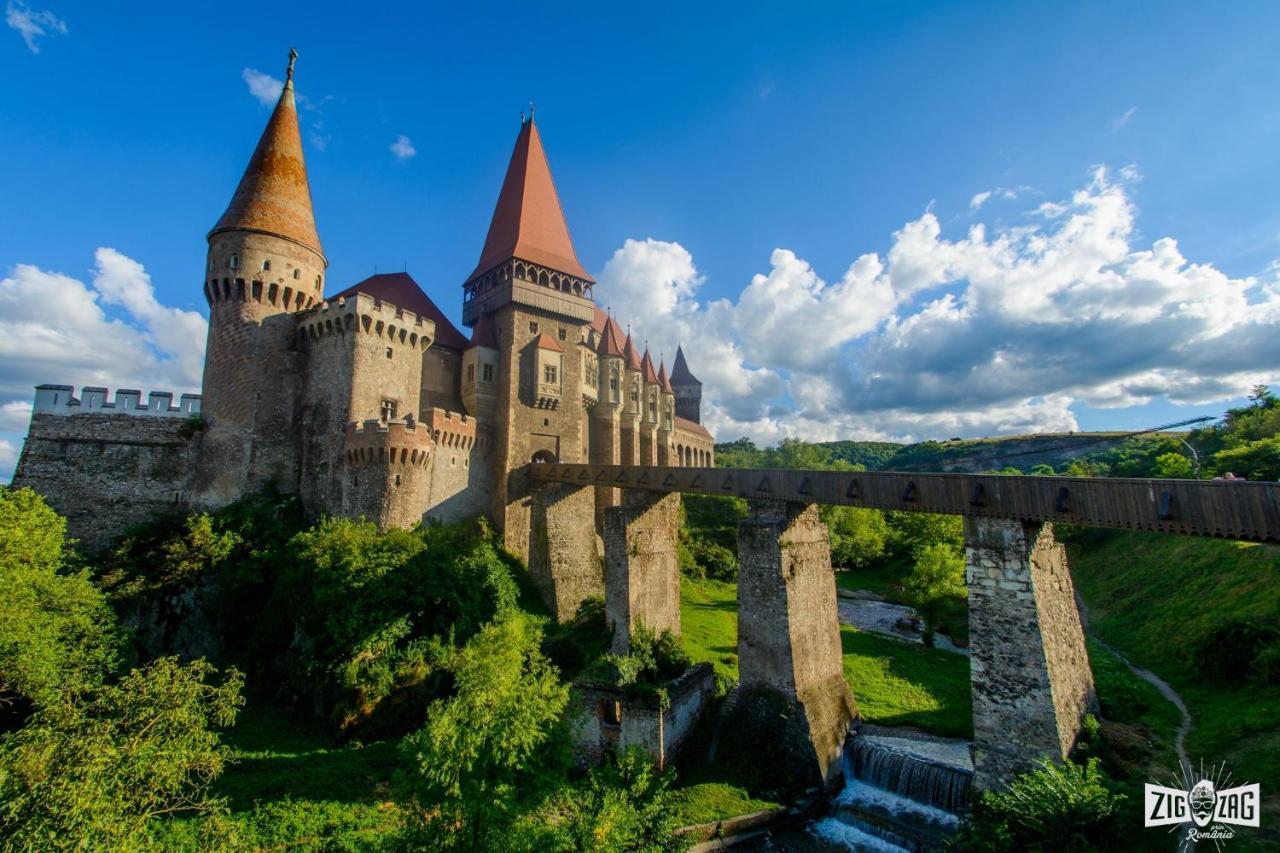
370,403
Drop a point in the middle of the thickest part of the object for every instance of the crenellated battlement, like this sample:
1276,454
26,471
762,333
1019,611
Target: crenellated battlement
363,313
452,429
400,442
60,400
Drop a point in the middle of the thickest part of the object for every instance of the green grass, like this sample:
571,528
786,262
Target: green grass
709,801
898,683
882,579
895,683
1153,597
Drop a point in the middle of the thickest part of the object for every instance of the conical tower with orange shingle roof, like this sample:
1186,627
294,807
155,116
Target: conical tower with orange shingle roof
265,262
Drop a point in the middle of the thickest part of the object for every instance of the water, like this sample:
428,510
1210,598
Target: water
903,792
883,617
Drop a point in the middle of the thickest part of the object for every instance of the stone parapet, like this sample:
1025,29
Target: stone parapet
451,429
60,400
404,442
364,313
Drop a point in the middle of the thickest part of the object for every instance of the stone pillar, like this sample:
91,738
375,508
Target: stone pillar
642,566
564,559
789,634
1032,684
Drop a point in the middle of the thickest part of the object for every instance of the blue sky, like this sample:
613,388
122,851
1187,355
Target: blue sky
710,135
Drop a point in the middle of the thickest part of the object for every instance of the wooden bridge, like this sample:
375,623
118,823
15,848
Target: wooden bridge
1232,509
1032,685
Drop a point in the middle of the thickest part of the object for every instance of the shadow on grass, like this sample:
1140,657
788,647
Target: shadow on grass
277,757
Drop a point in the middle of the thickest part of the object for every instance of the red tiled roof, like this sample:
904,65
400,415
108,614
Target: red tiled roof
629,352
598,318
528,222
482,335
663,382
646,368
273,195
609,343
545,341
399,289
689,426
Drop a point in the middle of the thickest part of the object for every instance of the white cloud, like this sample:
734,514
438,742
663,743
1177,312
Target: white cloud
54,328
262,86
402,148
979,199
32,25
998,331
8,460
1123,119
1008,193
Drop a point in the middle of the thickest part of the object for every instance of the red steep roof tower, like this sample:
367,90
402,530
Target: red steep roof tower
528,242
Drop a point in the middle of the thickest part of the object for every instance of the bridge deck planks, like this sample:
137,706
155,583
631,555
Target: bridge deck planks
1231,509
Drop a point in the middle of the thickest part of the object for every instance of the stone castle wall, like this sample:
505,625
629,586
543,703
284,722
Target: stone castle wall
108,472
460,475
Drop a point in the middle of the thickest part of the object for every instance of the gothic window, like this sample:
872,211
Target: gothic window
388,410
613,387
471,373
533,328
549,374
563,334
487,373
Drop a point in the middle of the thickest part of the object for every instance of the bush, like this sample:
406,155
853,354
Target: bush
1057,807
625,804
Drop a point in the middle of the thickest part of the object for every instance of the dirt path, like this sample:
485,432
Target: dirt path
1180,738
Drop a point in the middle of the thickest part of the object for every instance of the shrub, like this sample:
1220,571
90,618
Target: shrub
1056,807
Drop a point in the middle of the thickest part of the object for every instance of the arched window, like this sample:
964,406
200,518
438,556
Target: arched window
234,263
266,266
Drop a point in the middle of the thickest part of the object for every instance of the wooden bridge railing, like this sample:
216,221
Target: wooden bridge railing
1232,509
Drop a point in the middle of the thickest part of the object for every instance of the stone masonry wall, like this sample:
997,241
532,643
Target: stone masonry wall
788,631
106,473
642,566
1032,684
564,559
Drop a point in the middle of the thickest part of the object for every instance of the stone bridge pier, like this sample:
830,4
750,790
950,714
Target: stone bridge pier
642,566
563,548
789,633
1032,685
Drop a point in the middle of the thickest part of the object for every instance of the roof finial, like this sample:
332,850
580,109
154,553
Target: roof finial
531,109
293,57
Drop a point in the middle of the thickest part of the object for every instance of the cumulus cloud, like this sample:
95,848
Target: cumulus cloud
402,148
265,88
995,331
112,332
32,24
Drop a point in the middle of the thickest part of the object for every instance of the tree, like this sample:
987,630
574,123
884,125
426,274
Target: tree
1174,466
58,637
1042,470
625,804
97,770
911,532
496,747
934,585
858,535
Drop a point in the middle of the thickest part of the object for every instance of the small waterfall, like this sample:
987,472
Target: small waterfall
935,773
901,793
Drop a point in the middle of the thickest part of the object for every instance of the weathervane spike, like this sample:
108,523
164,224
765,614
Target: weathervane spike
293,57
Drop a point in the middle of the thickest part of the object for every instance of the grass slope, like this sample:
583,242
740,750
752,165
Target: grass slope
895,683
1153,597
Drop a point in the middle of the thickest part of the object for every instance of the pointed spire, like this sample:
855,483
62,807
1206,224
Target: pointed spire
663,382
483,334
528,222
274,195
680,373
609,343
629,353
646,368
